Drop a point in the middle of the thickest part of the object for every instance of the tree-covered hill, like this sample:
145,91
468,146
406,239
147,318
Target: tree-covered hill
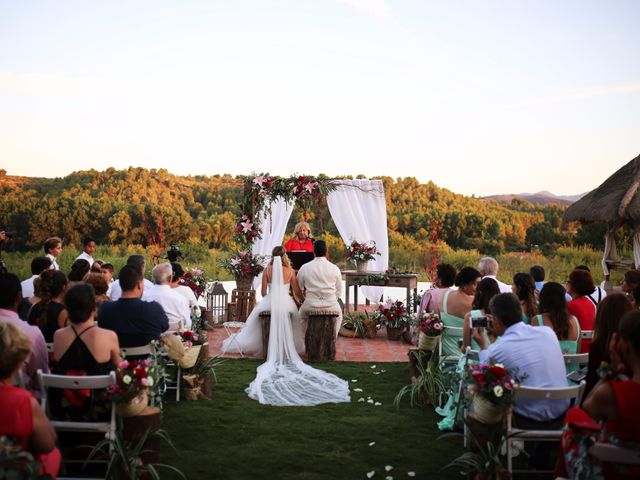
141,206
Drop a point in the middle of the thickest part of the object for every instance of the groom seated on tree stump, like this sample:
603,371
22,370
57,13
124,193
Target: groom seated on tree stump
321,281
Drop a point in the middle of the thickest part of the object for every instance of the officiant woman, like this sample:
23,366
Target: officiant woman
301,240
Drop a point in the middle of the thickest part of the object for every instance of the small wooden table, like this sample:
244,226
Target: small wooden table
358,279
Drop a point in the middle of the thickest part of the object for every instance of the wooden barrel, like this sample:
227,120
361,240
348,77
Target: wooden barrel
265,324
320,338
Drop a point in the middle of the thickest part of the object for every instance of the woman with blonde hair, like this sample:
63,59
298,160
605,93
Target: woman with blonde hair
21,416
301,240
249,339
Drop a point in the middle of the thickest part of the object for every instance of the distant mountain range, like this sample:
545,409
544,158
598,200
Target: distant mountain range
540,198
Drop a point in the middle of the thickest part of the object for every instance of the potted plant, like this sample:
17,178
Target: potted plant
131,392
395,316
126,459
360,325
428,383
198,380
431,327
360,253
244,266
492,387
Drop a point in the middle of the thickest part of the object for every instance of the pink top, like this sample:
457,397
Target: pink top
430,300
37,359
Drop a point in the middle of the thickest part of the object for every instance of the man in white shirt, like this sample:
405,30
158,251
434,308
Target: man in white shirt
38,265
138,262
321,282
174,305
488,268
88,249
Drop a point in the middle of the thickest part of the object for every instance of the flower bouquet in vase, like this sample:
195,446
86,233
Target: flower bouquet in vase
492,387
431,328
395,316
360,253
244,266
131,392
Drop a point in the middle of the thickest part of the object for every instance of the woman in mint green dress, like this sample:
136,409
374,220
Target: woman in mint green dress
524,287
455,305
554,314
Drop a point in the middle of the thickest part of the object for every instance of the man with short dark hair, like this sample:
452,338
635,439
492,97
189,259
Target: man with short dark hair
38,359
538,274
138,262
38,265
321,281
136,322
533,351
52,249
88,249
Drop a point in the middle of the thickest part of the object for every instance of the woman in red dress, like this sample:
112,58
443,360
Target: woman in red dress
21,417
301,240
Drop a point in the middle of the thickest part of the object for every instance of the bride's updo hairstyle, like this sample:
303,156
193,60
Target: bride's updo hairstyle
279,251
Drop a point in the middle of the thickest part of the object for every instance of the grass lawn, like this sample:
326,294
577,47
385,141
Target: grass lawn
234,437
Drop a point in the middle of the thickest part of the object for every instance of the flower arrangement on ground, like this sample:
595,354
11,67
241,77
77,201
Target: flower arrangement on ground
183,347
393,314
359,252
195,280
133,378
243,263
493,382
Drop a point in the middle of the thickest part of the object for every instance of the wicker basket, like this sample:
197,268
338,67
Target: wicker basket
427,342
173,346
135,406
190,356
487,412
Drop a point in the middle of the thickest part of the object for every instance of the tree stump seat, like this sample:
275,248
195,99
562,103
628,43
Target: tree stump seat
320,338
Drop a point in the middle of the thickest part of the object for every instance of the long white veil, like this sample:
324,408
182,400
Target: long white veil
284,379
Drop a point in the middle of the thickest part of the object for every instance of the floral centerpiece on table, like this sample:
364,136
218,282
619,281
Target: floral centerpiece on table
360,252
493,388
195,280
134,378
393,314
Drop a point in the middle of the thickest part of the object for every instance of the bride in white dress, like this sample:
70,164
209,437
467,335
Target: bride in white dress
284,379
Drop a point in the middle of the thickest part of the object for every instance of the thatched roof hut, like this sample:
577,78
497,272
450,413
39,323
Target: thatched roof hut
616,202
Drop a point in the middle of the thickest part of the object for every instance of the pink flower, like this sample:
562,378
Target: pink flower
123,364
309,187
235,261
437,326
259,180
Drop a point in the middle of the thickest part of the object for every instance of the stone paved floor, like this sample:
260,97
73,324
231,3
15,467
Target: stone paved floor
377,349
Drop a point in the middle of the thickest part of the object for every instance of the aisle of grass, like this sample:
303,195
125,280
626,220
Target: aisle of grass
234,437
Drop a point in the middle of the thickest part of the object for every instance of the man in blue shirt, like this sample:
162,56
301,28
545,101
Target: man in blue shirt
136,322
534,353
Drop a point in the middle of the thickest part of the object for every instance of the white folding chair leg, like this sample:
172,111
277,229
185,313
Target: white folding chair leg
230,334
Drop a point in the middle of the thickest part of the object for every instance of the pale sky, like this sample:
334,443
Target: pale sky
481,97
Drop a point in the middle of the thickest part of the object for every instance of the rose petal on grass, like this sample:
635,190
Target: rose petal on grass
388,468
411,474
370,401
357,389
377,404
361,399
371,444
389,477
371,473
354,380
373,366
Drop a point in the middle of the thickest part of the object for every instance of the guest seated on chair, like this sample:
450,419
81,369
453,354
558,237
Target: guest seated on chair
135,322
38,358
613,403
22,420
50,314
82,349
138,262
445,278
185,291
486,290
100,286
554,314
535,354
524,288
174,305
582,306
38,265
79,269
301,239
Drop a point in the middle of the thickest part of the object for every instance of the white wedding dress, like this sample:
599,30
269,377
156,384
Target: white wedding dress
284,379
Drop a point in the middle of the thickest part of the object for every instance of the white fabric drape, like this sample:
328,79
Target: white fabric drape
610,251
636,248
284,379
359,210
273,226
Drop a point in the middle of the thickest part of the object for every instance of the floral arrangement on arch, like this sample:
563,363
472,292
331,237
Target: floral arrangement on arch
244,262
195,280
431,325
359,252
262,189
133,376
493,382
393,314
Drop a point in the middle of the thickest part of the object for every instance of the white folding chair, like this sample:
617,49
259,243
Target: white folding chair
469,356
137,351
228,326
453,332
576,359
174,326
538,394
